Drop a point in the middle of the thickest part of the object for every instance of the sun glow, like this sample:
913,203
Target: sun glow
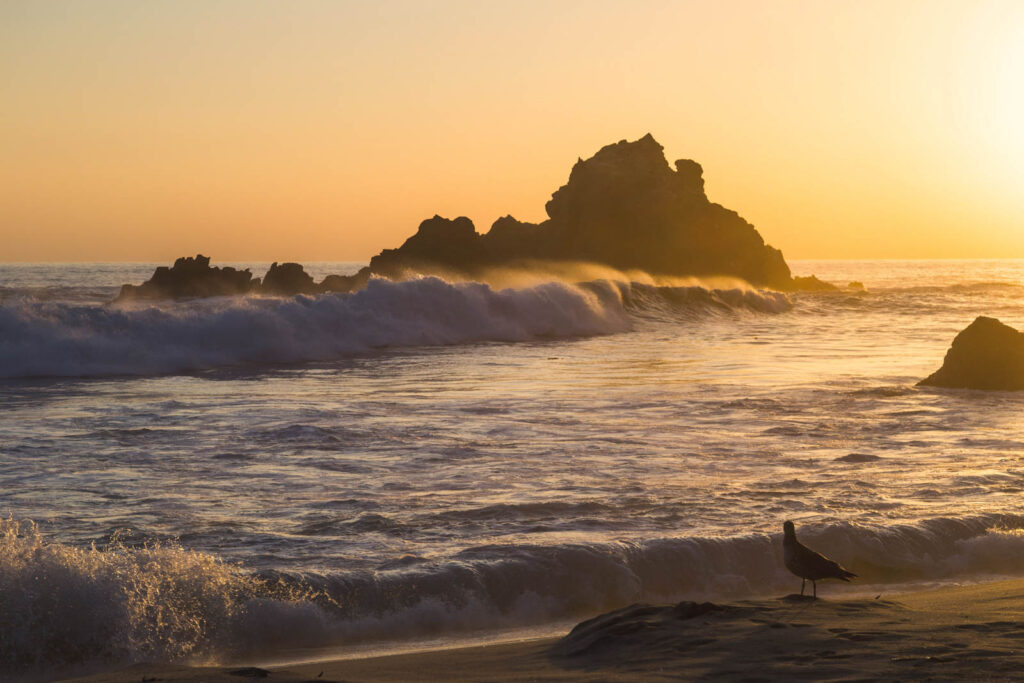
995,91
329,131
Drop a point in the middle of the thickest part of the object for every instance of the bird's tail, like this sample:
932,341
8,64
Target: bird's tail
846,575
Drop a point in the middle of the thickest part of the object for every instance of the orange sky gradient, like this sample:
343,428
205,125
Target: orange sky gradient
317,131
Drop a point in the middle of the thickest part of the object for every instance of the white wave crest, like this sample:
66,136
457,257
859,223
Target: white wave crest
61,340
65,606
54,340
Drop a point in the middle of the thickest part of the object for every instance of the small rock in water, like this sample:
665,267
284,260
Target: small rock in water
811,283
986,355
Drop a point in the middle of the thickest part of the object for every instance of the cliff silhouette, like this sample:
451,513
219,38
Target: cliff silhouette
624,207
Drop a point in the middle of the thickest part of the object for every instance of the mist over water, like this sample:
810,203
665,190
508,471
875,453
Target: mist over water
427,457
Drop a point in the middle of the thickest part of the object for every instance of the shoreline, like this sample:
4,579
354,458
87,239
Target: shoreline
955,632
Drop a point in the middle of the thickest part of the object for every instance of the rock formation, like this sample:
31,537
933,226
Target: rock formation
438,244
625,207
345,283
985,355
288,279
190,278
811,283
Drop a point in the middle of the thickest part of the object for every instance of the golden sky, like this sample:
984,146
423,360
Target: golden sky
328,130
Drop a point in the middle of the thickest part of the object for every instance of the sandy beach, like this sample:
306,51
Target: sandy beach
954,633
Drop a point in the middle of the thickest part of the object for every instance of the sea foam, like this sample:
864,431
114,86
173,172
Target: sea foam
49,340
65,606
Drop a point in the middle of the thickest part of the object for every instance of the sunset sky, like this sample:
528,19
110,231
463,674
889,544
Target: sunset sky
329,130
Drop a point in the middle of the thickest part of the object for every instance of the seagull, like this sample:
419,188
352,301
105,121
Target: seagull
807,564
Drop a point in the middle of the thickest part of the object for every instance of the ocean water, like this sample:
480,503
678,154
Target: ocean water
205,480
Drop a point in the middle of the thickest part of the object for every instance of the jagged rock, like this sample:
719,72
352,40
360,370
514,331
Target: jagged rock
624,207
345,283
189,278
194,277
811,283
438,242
510,236
986,355
288,279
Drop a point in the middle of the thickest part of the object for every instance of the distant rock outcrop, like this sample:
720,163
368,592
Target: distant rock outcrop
191,278
811,283
986,355
439,243
345,283
625,207
288,279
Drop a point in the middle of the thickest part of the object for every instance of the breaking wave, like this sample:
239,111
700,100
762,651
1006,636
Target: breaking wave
64,606
39,339
67,606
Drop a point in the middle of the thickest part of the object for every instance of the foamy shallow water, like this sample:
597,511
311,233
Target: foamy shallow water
565,450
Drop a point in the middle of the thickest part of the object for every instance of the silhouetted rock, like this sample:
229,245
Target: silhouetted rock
193,277
345,283
517,239
624,207
986,355
438,243
189,278
811,283
288,279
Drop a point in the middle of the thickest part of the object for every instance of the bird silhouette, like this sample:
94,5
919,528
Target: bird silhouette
807,564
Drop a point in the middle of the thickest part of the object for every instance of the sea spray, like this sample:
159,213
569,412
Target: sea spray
48,340
64,606
71,605
500,584
59,340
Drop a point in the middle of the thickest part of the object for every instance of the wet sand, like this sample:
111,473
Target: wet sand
954,633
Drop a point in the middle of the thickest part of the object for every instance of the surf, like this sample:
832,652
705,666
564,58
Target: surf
66,340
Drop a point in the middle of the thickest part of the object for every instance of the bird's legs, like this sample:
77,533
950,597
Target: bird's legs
815,584
803,583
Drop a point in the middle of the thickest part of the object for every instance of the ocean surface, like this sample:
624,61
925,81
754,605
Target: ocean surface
206,480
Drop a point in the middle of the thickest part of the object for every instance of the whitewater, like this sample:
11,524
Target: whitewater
205,480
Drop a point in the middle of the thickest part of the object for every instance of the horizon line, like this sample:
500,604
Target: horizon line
367,261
